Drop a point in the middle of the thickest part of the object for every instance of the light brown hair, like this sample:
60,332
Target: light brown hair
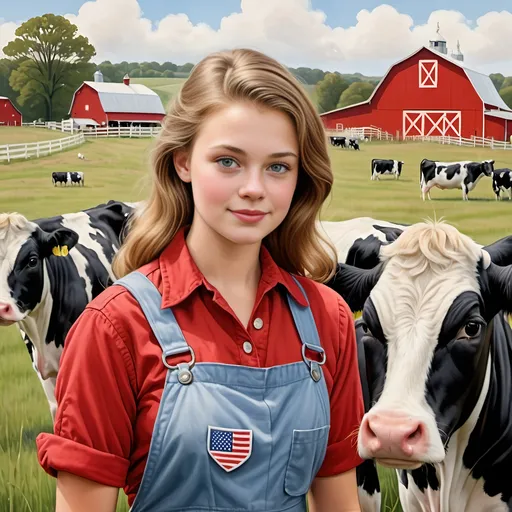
223,77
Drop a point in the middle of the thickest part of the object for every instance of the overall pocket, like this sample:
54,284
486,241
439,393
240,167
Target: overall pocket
306,456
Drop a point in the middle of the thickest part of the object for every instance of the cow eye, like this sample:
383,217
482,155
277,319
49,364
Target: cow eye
470,330
32,262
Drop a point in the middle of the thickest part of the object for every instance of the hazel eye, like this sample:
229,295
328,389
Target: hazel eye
470,330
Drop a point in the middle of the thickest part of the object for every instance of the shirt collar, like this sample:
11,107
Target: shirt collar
181,276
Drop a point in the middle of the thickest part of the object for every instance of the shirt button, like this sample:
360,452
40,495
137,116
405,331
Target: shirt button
258,323
247,347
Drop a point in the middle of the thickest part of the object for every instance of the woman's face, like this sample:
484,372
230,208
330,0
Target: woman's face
243,168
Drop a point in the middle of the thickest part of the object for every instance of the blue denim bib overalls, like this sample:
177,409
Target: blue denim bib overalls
228,437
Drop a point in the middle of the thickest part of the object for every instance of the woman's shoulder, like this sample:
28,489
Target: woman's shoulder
324,301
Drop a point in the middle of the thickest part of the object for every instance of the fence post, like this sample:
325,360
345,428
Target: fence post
8,156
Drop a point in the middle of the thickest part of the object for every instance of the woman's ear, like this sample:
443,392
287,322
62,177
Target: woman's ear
182,164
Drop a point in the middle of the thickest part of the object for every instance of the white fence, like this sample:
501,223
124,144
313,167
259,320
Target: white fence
370,132
36,149
460,141
107,131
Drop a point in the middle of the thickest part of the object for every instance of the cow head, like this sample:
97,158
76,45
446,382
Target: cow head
427,312
400,165
23,249
488,167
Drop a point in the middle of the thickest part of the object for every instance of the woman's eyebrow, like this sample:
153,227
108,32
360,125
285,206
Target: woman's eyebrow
234,149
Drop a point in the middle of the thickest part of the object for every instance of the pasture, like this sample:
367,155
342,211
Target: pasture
25,134
116,169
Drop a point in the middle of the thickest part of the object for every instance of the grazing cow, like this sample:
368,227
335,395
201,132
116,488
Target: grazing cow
60,177
81,156
437,366
502,180
386,167
339,141
448,175
49,270
77,177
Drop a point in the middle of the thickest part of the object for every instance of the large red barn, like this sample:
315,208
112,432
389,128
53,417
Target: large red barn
9,114
430,93
101,103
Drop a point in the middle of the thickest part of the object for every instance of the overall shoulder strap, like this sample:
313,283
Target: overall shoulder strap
308,332
162,321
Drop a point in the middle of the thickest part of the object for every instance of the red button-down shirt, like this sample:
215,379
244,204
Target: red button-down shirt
111,375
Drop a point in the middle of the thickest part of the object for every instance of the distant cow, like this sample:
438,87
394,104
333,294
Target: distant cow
352,143
380,167
449,175
60,177
77,177
502,180
81,156
50,269
435,359
339,141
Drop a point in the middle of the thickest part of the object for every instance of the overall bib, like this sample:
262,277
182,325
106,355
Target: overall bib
227,437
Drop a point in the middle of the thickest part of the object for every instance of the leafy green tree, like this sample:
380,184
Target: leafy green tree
497,79
506,83
186,68
329,90
355,93
52,59
506,94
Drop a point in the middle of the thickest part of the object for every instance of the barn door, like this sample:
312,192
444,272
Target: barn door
432,123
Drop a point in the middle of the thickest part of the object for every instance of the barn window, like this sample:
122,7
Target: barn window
86,107
428,72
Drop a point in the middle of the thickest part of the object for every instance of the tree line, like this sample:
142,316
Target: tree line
48,60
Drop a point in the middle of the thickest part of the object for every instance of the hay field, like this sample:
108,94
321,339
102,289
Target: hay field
115,169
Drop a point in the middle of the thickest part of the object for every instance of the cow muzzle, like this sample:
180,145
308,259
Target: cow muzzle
9,314
393,439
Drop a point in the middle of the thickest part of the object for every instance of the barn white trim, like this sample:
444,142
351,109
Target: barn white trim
432,122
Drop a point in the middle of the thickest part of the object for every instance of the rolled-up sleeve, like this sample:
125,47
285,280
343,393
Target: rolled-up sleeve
95,393
347,405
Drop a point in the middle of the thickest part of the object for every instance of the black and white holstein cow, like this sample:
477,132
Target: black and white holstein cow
381,167
49,270
338,141
68,177
437,361
502,180
450,175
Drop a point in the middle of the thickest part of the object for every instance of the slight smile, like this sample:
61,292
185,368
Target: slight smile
249,216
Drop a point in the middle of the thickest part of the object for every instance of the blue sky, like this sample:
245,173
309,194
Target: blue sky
339,13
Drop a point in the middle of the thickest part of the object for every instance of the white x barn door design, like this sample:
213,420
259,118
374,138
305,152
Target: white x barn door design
432,123
428,70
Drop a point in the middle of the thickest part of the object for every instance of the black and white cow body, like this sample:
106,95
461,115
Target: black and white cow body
502,181
450,175
381,167
437,360
50,269
66,178
353,143
338,141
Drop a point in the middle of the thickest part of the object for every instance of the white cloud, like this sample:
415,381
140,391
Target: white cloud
292,32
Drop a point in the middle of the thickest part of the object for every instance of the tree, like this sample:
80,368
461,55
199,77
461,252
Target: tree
497,80
355,93
329,91
506,94
52,59
506,83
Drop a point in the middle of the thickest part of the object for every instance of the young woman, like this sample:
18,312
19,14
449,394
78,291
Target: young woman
217,373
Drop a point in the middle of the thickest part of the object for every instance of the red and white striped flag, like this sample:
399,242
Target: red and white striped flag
229,447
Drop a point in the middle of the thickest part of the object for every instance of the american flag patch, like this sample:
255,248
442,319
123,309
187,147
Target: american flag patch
229,447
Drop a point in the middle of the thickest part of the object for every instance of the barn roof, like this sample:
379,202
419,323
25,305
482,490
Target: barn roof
118,97
482,83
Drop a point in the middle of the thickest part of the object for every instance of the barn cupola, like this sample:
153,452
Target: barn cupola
98,76
126,79
438,42
457,55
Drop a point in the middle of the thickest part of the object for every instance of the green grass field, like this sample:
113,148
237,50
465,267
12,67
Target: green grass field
24,134
115,169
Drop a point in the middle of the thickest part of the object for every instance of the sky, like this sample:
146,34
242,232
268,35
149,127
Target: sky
366,36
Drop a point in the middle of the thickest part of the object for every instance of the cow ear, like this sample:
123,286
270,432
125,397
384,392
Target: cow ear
354,284
60,242
497,290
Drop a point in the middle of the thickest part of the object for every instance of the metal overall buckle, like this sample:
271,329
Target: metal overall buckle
184,373
314,366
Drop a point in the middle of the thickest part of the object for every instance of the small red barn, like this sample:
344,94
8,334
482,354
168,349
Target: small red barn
9,114
430,93
101,103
